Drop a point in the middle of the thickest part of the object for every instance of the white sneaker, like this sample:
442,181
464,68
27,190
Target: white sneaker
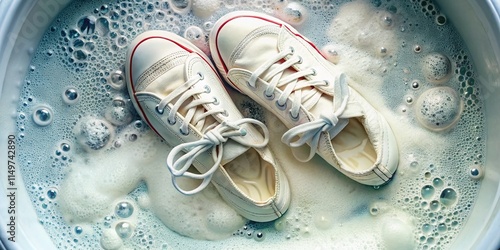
178,92
268,60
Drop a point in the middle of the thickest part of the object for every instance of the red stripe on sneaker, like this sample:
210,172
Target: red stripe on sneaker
132,85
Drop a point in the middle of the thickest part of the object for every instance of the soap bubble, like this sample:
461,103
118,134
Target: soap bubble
52,193
194,34
42,116
87,24
104,9
415,84
293,13
441,19
78,230
330,53
476,172
124,209
437,182
323,221
427,192
436,68
448,197
119,113
207,26
417,48
426,228
80,55
78,43
180,6
124,230
386,20
122,41
259,236
439,108
434,205
93,133
102,26
117,79
70,95
73,34
65,147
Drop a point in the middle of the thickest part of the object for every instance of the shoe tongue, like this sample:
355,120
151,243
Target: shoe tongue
232,148
257,51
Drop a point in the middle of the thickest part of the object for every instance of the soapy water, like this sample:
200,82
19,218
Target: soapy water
96,174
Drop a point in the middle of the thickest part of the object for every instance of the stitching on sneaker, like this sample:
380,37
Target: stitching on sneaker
159,68
265,30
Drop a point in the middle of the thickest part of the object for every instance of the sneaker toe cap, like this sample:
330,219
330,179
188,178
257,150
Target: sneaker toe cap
230,31
146,50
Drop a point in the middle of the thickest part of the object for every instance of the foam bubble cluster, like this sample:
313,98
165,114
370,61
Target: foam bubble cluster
436,67
439,108
93,133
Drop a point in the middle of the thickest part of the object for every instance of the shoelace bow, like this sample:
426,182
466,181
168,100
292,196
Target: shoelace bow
181,157
331,121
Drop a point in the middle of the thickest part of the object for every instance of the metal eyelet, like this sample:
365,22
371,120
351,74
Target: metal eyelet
269,97
313,72
207,89
250,85
184,133
200,75
327,83
225,113
294,118
158,110
292,50
280,106
216,101
172,122
300,60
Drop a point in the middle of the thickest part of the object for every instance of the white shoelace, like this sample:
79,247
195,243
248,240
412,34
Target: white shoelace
331,121
181,157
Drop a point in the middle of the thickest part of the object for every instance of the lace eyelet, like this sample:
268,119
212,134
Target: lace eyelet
207,89
158,110
294,118
201,75
292,50
225,113
269,97
250,85
184,133
216,101
300,60
327,83
280,106
172,122
313,72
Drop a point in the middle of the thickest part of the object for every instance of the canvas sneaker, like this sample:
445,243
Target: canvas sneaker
271,62
177,91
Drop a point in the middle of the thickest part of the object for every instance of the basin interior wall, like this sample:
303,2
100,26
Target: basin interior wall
24,22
